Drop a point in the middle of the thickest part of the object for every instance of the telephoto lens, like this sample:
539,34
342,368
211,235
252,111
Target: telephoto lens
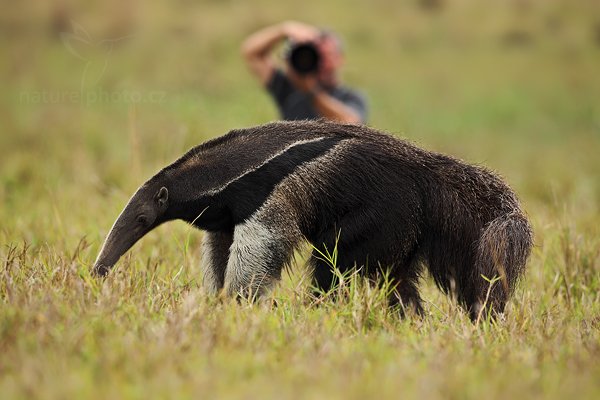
304,58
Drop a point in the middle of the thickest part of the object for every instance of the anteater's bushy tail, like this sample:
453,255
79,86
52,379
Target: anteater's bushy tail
502,251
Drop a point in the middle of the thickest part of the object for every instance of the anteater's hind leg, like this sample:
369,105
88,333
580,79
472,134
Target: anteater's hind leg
215,254
261,247
405,278
323,277
331,240
349,256
484,297
406,297
353,236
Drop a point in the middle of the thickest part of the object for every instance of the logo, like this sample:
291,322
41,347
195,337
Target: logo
94,53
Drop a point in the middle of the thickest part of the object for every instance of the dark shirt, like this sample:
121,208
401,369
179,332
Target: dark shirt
294,104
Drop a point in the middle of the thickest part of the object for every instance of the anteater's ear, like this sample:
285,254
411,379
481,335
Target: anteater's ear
161,198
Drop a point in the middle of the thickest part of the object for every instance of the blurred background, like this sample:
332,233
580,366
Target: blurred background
98,95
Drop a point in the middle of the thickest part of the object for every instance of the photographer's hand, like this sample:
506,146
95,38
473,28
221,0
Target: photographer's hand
257,48
305,83
300,32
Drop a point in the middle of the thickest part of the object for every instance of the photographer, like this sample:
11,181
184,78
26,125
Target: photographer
308,87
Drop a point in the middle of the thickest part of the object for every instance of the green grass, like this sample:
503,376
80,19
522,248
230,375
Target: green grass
451,80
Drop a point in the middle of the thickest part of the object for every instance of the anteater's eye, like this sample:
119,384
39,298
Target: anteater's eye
142,220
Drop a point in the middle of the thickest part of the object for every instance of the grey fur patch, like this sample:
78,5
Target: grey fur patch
248,269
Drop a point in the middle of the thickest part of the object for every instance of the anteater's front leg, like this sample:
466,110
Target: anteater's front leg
215,254
260,249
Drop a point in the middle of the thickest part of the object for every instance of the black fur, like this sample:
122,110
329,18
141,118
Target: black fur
394,205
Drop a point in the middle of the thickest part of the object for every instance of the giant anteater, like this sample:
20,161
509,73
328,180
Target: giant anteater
260,192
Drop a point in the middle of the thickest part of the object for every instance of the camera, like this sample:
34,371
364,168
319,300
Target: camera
304,58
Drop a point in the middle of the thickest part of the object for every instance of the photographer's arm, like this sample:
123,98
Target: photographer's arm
257,48
326,105
331,108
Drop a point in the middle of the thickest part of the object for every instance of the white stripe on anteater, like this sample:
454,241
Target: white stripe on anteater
224,186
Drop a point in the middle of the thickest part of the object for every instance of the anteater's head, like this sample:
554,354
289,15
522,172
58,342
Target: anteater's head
145,211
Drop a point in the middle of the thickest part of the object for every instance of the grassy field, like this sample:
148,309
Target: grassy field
511,85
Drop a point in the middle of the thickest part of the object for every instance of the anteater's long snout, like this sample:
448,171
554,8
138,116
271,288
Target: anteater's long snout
116,244
101,269
107,258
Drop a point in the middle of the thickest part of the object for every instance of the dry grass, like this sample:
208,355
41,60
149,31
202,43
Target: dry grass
511,85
